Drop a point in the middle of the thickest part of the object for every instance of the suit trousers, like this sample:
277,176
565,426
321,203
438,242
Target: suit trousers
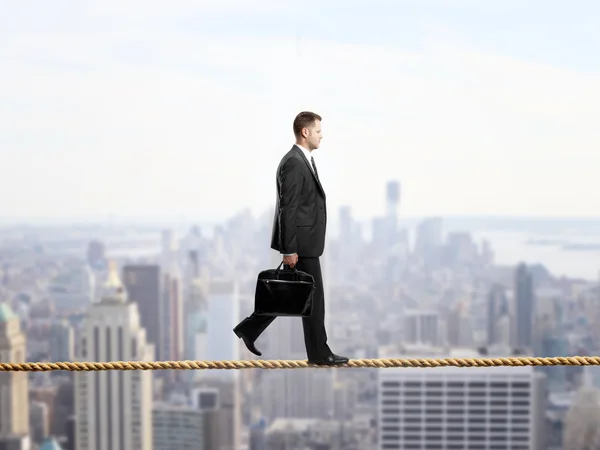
315,336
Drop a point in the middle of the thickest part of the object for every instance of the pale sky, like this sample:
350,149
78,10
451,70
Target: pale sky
186,107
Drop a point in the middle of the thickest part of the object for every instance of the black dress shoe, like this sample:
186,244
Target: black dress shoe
331,360
249,344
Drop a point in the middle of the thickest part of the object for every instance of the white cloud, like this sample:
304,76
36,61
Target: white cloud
464,131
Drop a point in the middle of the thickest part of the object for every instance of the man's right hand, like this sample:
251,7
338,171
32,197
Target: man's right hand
291,260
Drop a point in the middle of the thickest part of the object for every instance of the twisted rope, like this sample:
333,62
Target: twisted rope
380,363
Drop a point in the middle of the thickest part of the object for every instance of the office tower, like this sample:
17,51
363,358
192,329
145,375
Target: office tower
157,291
497,307
459,325
171,316
96,255
223,315
219,399
62,341
195,326
143,285
39,421
222,344
114,408
422,327
14,400
177,427
523,309
458,408
171,346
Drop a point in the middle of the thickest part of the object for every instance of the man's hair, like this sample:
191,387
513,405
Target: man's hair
304,120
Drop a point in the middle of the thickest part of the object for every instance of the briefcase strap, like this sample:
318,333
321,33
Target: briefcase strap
278,271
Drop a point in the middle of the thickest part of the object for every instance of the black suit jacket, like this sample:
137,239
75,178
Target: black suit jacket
301,214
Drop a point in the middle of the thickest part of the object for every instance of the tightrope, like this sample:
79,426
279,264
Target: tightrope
380,363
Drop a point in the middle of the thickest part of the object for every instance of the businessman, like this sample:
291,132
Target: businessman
299,235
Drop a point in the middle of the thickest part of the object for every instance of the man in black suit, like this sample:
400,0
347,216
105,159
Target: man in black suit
299,235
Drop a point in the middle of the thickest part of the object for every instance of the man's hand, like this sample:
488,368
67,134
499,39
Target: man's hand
291,260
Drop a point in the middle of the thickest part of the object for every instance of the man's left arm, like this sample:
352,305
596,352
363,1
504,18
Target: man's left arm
291,181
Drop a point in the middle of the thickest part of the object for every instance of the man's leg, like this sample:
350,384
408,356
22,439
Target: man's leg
251,328
315,336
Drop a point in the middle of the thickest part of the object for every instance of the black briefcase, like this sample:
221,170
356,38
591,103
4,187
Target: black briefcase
287,292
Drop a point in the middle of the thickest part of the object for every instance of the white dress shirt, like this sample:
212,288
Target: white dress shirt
308,158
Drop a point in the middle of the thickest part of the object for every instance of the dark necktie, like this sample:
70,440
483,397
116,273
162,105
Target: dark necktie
312,160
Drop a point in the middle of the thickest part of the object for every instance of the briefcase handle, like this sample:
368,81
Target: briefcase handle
278,270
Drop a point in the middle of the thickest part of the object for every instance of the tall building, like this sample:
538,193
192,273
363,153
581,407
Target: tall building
195,323
177,427
458,408
14,399
523,312
96,255
422,327
113,409
223,315
143,285
497,307
62,341
171,346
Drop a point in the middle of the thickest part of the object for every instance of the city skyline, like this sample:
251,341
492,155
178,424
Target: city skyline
445,294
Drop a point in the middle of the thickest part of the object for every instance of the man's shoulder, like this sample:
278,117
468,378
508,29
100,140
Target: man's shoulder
291,157
292,153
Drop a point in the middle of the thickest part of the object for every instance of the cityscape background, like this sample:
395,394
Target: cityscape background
138,149
433,289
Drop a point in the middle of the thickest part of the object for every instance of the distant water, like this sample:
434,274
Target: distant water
509,242
511,248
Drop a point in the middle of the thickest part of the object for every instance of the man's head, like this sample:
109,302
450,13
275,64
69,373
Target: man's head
307,128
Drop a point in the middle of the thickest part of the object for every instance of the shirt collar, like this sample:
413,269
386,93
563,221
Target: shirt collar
305,151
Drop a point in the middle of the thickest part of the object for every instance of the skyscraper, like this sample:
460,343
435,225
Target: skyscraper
195,325
223,316
523,312
14,400
497,307
171,313
113,409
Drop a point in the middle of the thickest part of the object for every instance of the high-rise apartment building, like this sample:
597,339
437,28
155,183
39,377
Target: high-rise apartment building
113,409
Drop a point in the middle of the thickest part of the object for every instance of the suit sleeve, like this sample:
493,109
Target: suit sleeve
290,186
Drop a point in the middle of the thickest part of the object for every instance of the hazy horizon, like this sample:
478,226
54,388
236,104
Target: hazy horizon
149,109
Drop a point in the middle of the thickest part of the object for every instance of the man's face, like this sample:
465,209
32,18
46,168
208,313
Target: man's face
314,135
